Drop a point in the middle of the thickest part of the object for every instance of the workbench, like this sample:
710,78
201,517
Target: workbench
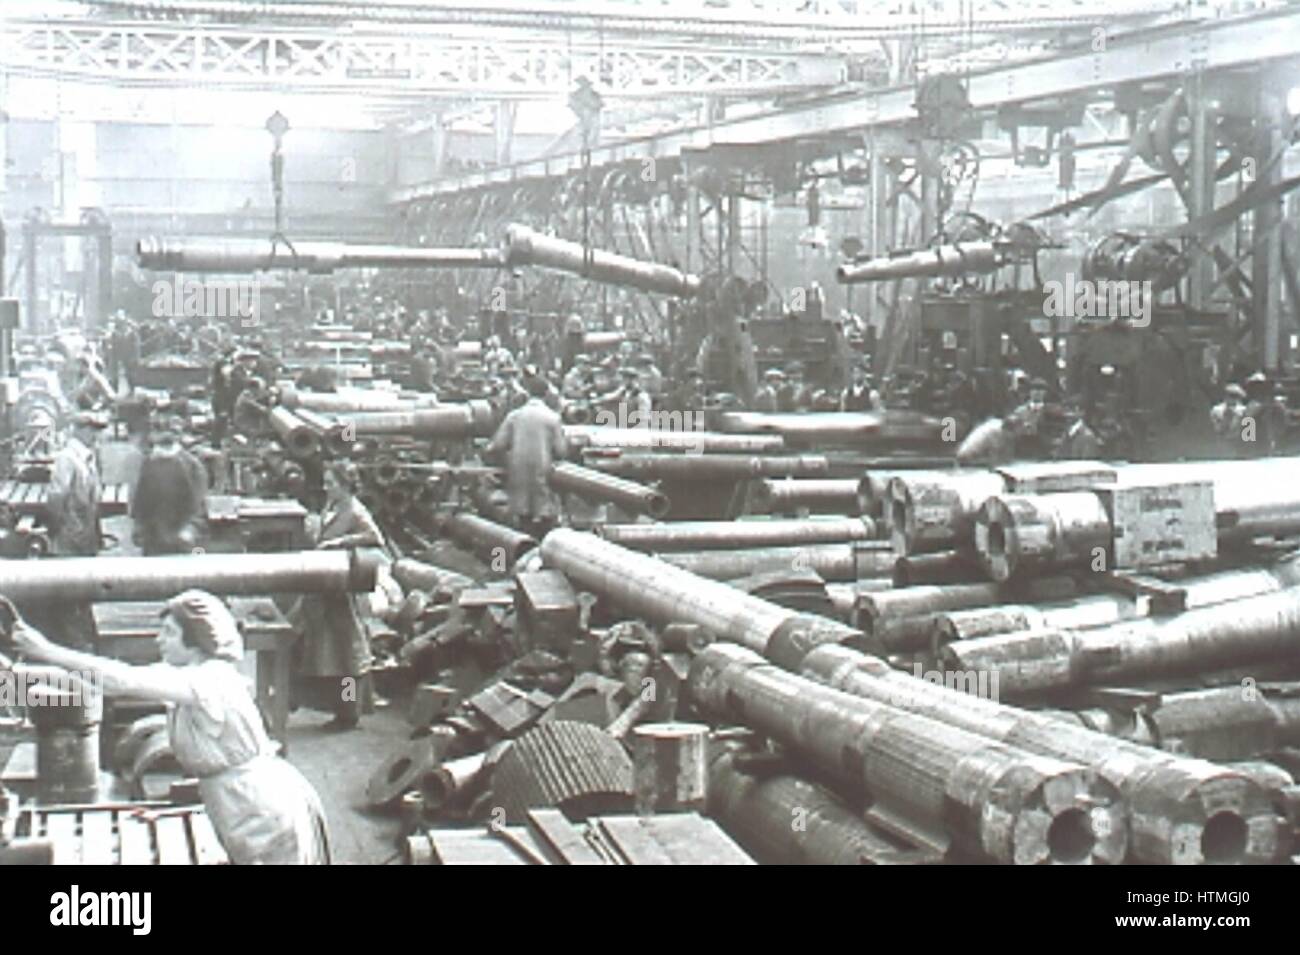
29,499
238,525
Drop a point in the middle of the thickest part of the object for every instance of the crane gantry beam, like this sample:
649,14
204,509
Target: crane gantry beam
410,64
1151,55
814,21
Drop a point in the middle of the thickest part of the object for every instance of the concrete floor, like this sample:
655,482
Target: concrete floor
339,766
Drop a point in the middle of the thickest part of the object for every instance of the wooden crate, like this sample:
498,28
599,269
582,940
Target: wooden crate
124,834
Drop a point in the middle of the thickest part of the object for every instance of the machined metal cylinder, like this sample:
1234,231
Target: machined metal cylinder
944,567
1098,610
858,429
709,467
818,496
663,594
901,619
595,486
1179,810
107,579
1017,535
762,812
525,246
992,801
471,419
831,562
351,401
694,535
697,444
413,574
955,259
935,511
256,255
1228,634
488,540
670,767
294,434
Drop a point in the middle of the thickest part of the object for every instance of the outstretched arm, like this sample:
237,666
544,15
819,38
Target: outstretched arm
154,682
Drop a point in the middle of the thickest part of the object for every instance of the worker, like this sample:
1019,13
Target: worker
224,393
530,440
794,396
767,397
635,400
261,807
167,505
532,376
92,389
861,394
577,380
1226,418
332,655
72,516
1079,442
652,379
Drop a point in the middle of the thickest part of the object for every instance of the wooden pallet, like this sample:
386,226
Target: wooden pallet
29,499
124,834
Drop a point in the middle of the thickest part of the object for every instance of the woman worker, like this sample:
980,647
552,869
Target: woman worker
334,648
261,807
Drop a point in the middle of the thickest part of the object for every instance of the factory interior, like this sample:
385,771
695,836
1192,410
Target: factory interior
649,432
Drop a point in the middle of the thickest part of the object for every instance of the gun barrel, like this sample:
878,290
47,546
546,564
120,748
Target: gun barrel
956,259
255,255
527,247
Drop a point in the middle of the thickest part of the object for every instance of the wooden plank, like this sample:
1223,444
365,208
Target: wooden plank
560,839
173,841
690,839
207,847
98,844
61,829
135,840
633,841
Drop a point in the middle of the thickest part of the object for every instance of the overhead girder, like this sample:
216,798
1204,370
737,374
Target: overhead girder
1161,54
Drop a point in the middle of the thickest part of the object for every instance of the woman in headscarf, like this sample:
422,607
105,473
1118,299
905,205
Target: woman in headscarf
334,648
263,810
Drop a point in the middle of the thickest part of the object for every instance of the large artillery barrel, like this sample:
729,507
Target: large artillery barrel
832,562
295,435
697,443
756,810
865,429
709,467
957,259
595,486
935,510
524,246
663,594
1098,610
699,535
1020,534
105,579
1235,633
471,419
352,400
819,496
255,255
488,540
1180,810
992,801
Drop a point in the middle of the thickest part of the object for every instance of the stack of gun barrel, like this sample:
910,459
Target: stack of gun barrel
1070,722
976,692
